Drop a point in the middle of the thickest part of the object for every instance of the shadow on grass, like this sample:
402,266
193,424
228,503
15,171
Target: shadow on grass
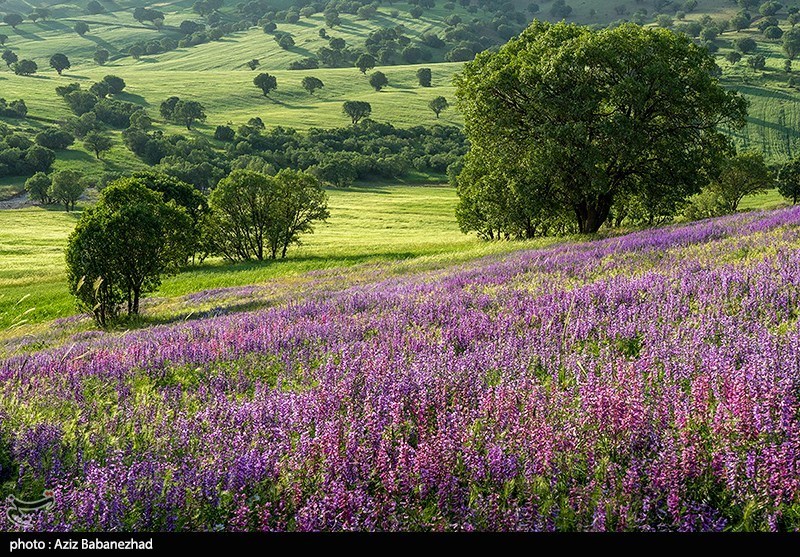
762,92
101,42
133,98
28,35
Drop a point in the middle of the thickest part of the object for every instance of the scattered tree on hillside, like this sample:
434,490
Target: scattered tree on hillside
266,82
791,42
94,7
332,18
25,67
121,248
189,112
54,138
365,62
97,143
415,12
141,120
746,45
356,110
66,187
9,57
789,180
38,187
733,57
303,202
378,80
136,51
115,84
658,141
224,133
742,175
13,20
59,62
757,62
438,104
81,28
101,56
100,89
285,41
253,64
740,21
311,84
167,108
424,77
3,39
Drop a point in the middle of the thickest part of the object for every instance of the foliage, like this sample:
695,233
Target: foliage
742,175
66,187
38,186
266,82
59,62
378,80
357,110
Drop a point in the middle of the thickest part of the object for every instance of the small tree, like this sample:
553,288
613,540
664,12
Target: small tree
141,120
38,186
94,7
356,110
3,39
266,82
301,202
9,57
311,84
97,143
81,28
791,42
733,57
115,84
789,180
101,56
378,80
59,62
66,187
13,20
189,112
25,67
438,105
242,206
136,51
757,62
742,175
253,64
746,45
365,62
285,41
122,247
424,77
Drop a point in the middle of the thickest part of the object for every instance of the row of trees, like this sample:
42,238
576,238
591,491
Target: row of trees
150,225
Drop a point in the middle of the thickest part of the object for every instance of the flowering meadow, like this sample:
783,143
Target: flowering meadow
642,382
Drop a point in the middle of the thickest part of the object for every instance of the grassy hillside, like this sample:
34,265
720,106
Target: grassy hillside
367,225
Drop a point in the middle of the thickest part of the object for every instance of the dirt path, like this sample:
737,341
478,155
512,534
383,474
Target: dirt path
17,202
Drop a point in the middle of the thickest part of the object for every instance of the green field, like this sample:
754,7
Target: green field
367,225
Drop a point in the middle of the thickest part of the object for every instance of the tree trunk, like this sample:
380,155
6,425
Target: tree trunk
593,213
136,293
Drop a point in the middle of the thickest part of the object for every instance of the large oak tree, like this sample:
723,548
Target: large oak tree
591,116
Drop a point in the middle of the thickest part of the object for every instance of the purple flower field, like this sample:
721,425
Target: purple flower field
643,382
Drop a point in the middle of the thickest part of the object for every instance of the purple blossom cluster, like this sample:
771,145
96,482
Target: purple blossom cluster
643,382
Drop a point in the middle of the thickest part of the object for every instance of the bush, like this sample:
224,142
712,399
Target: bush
55,139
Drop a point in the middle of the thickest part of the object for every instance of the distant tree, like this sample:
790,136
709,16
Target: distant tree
742,175
80,102
438,104
3,39
746,45
188,27
13,20
757,62
115,84
9,57
424,77
663,20
100,89
121,248
269,27
97,143
256,123
285,41
167,108
253,64
101,56
66,187
773,32
141,120
332,18
311,84
94,7
787,66
365,62
337,43
81,28
38,187
356,110
791,42
224,133
378,80
740,21
733,57
59,62
789,180
43,13
292,17
54,138
136,51
415,12
25,67
366,12
769,8
33,16
189,112
266,82
322,33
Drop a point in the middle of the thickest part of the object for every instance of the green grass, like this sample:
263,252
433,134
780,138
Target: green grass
367,225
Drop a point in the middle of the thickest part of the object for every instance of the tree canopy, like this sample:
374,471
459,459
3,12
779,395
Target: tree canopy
582,118
356,110
266,82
